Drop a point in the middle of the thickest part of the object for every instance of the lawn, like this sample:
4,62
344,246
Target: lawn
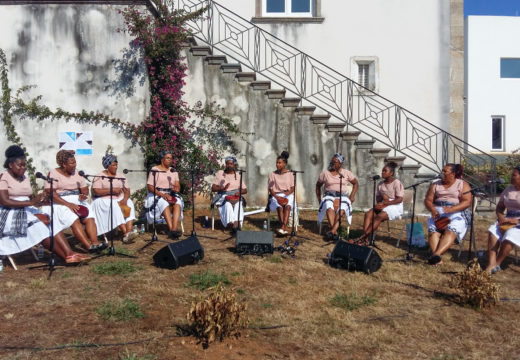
299,308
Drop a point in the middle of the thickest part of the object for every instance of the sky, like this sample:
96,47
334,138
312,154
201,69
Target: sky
492,7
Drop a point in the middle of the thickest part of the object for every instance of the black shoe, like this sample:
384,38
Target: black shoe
434,259
174,234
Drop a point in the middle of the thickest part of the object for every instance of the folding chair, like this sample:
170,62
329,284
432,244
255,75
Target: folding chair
13,264
468,233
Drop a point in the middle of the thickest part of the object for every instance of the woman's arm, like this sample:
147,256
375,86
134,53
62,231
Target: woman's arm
152,190
428,202
103,192
318,191
176,187
5,201
355,186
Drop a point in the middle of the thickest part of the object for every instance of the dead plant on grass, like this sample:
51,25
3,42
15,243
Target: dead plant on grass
218,316
475,287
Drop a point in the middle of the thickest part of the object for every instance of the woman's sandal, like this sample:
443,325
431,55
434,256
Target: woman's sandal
77,258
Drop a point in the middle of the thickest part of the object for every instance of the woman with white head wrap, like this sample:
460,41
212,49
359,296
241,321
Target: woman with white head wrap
331,180
227,185
123,212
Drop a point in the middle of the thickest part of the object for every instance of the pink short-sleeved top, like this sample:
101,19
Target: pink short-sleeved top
233,179
104,183
66,183
163,180
280,182
331,182
393,190
14,186
451,194
510,197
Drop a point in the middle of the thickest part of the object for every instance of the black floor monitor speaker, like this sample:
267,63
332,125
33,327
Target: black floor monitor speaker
185,252
254,242
354,257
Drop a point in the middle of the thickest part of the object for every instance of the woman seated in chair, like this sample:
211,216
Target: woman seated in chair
227,187
335,203
123,212
281,190
70,206
22,225
164,200
504,234
389,202
448,200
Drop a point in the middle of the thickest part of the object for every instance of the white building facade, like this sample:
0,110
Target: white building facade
492,120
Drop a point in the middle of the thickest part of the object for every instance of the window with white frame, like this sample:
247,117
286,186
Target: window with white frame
497,133
364,71
287,8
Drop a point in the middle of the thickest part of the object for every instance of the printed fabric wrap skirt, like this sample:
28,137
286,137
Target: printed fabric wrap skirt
229,212
10,242
459,221
101,209
63,216
327,202
159,204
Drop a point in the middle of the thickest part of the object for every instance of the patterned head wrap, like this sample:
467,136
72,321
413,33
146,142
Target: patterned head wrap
231,158
108,159
163,153
340,157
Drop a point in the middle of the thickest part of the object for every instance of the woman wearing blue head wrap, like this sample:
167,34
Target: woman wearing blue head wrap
123,212
335,203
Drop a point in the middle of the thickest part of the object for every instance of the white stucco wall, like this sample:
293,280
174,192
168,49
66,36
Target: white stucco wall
490,38
410,38
73,54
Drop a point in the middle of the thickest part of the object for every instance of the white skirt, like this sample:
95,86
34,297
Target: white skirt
63,216
273,203
394,211
327,202
101,210
229,213
458,223
36,232
159,207
512,234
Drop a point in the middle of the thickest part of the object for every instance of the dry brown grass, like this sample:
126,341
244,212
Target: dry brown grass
415,315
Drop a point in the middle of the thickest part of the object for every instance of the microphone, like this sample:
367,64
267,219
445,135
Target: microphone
376,177
172,170
497,181
125,171
82,174
39,175
297,172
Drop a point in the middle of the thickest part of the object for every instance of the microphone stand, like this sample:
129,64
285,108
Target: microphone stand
193,233
240,199
372,235
475,192
51,264
409,256
339,209
154,235
293,232
111,251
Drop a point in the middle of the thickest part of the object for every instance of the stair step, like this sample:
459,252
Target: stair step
335,127
320,119
380,151
231,68
397,159
200,50
190,42
305,110
216,59
275,94
290,102
245,76
261,85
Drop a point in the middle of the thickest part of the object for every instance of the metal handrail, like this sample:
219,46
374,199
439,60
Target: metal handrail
341,97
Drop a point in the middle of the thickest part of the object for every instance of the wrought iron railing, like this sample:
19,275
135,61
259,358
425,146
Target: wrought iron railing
342,98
